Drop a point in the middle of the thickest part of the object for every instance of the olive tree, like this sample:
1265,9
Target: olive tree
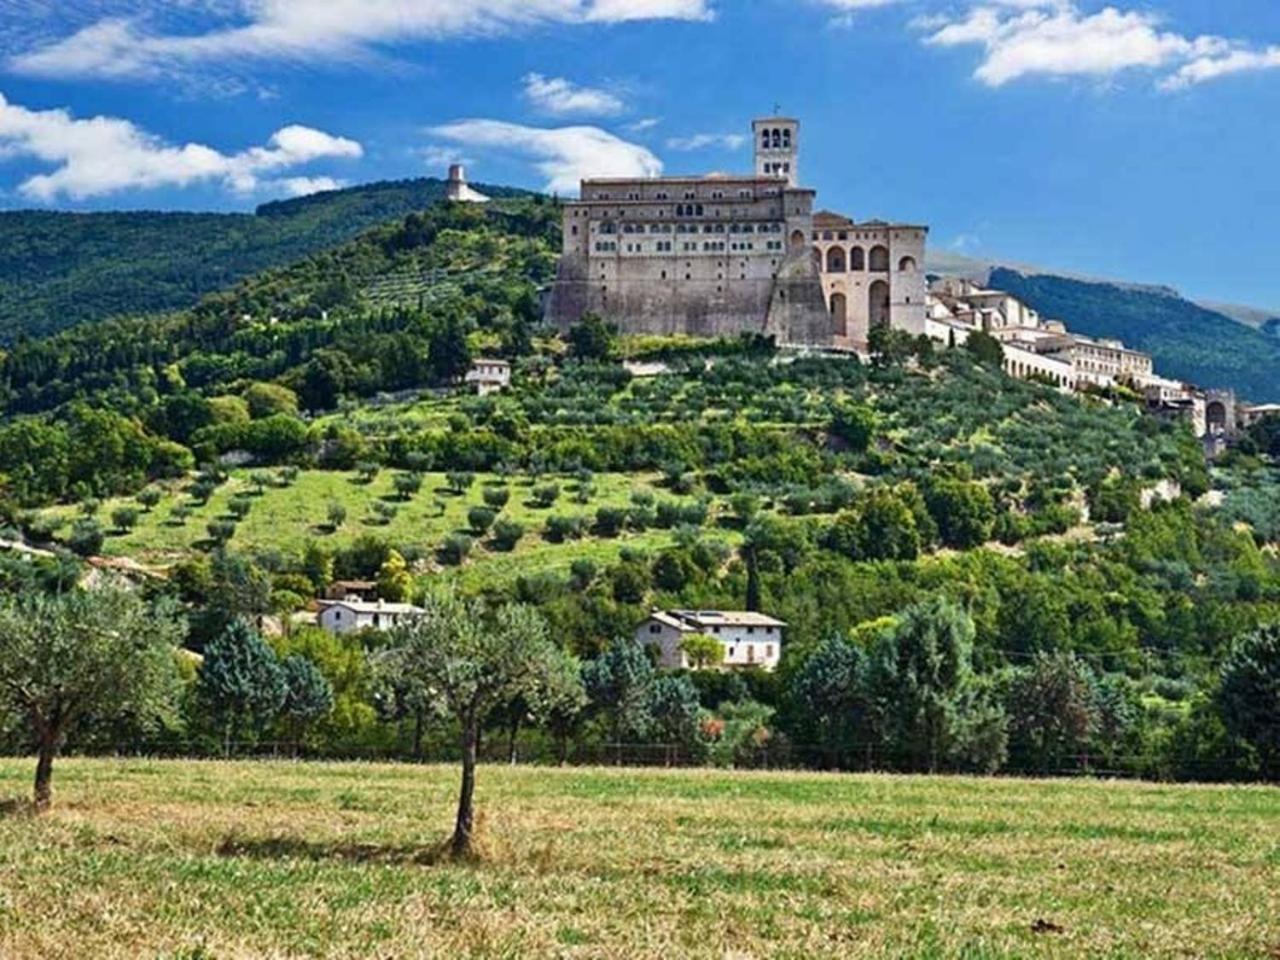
101,654
473,659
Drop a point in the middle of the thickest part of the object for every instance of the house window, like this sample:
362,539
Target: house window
654,628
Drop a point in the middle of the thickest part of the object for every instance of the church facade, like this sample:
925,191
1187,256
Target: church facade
721,255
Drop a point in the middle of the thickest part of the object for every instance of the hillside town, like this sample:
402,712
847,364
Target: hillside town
720,254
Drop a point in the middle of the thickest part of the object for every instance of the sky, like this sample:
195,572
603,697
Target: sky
1136,139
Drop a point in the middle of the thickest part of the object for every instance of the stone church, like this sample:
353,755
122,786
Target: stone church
720,255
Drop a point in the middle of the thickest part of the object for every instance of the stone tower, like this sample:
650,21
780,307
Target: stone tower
778,148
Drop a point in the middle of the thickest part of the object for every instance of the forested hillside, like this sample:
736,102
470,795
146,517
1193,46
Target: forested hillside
1188,341
308,424
60,269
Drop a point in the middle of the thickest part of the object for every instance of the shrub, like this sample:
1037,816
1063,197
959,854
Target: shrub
497,497
124,518
221,531
239,507
337,514
149,498
480,519
561,528
459,481
545,495
455,549
86,537
408,484
610,521
507,534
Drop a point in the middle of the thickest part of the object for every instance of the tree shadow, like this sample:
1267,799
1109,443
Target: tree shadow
16,808
295,848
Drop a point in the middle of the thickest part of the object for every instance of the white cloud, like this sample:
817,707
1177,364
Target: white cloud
440,157
558,96
1056,38
305,186
302,30
703,141
104,155
564,155
643,124
1204,69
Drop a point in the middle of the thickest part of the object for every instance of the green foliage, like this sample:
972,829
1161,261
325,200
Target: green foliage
65,658
964,512
394,580
985,348
591,339
507,534
702,652
1250,695
241,686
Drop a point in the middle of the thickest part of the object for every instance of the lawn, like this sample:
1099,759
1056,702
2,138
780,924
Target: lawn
211,860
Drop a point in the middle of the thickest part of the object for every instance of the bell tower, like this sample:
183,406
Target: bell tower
777,148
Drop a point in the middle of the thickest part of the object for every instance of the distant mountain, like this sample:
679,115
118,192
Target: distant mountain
1188,341
61,269
1249,316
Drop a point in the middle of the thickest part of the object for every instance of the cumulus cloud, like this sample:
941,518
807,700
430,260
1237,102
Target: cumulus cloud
564,155
703,141
558,96
302,30
104,155
1056,38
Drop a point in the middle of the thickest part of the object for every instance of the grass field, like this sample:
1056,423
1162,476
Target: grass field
209,860
284,518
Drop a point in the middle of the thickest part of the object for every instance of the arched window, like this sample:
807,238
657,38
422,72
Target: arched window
786,139
835,260
777,139
764,140
907,265
797,239
879,258
857,259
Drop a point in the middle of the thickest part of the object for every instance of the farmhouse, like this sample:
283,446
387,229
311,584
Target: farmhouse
349,616
749,639
489,376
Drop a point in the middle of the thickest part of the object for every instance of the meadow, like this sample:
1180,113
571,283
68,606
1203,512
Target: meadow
234,860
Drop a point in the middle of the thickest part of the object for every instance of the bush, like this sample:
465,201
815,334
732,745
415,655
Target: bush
561,528
124,518
480,519
610,521
149,498
455,549
86,537
459,481
497,497
221,531
545,495
507,534
239,507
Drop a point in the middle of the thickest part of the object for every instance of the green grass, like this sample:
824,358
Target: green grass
285,518
153,859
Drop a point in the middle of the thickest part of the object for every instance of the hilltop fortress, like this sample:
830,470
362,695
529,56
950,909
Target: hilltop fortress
725,254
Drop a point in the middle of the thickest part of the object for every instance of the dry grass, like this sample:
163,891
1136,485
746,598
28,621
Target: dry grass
209,860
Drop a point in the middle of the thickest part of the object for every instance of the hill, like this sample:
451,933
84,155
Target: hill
1188,341
61,269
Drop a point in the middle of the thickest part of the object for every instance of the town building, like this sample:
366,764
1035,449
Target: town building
350,616
749,639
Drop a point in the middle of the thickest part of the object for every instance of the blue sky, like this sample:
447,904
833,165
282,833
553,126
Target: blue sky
1137,139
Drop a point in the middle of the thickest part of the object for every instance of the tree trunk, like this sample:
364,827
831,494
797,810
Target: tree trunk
47,750
461,845
511,741
417,735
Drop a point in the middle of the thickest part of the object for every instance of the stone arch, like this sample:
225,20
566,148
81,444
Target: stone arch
857,259
797,239
835,260
1215,413
839,315
878,304
879,259
907,265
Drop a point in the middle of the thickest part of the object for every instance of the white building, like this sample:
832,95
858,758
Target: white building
748,639
349,616
457,189
489,376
